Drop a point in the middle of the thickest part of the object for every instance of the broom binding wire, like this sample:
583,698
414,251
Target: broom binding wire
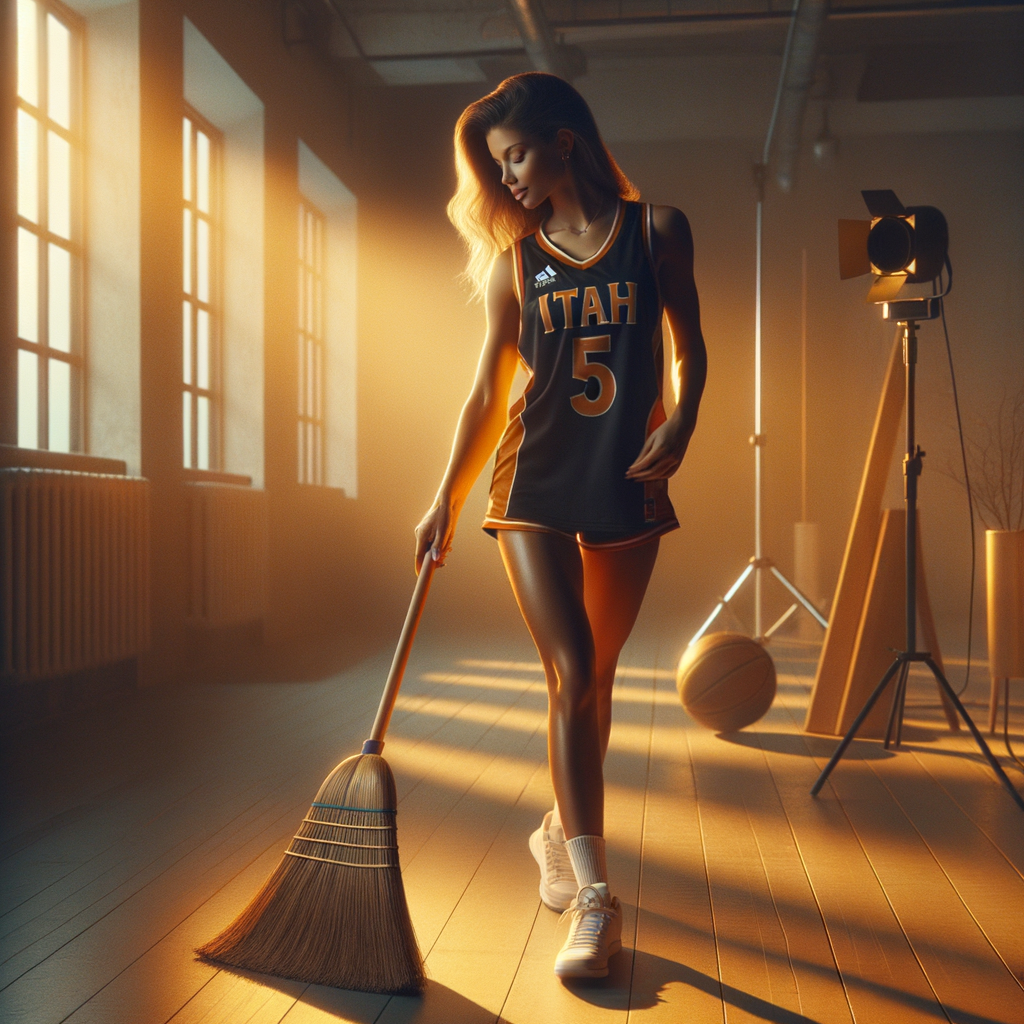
329,921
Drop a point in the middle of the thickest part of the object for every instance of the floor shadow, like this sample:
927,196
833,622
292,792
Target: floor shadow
652,974
788,743
438,1002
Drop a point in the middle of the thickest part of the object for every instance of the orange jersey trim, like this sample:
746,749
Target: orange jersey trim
517,272
507,459
632,541
657,414
552,250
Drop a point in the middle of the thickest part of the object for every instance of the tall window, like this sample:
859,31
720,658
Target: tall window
49,227
311,344
201,144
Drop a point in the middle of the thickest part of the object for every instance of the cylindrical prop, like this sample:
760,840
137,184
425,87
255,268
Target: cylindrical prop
1004,575
807,575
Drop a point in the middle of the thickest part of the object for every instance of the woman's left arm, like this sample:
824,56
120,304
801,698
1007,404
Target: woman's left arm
664,449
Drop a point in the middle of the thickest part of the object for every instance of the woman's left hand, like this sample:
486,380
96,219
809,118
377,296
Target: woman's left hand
662,453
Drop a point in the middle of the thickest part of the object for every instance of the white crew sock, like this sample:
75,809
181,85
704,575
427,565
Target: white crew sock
586,854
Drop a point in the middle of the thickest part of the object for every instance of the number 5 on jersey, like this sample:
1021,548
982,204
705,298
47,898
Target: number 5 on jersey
583,369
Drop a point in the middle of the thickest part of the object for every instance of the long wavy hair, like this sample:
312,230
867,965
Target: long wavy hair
482,209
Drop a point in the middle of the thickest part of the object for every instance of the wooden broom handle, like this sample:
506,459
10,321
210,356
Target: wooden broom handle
375,744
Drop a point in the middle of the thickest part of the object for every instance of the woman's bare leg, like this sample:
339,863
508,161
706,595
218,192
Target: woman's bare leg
614,584
546,572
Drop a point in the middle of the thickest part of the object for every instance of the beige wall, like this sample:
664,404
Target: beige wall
341,567
419,342
977,181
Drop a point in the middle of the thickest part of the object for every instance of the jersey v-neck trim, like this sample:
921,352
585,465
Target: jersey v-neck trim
552,250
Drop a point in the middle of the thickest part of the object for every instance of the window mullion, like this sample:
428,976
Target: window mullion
193,311
205,404
43,297
310,380
42,233
64,408
193,171
216,300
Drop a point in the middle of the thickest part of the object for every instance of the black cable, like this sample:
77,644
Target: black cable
970,508
1006,725
967,478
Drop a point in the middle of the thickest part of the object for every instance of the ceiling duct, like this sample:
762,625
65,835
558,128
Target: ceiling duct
797,78
539,40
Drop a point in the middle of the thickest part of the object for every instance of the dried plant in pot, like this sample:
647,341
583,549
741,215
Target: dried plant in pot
995,461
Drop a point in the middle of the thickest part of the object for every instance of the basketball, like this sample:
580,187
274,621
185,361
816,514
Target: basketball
726,681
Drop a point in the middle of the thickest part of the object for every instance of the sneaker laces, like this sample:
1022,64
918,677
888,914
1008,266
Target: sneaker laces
558,862
591,920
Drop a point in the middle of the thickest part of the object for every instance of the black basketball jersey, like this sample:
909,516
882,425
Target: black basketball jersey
591,342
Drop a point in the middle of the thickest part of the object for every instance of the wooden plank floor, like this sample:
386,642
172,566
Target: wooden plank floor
132,833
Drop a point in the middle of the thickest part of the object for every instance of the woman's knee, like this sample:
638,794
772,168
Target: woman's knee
572,684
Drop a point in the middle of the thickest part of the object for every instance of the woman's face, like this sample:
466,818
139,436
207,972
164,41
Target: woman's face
530,169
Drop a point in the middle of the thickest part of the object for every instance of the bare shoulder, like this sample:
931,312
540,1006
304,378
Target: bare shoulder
501,283
672,229
502,303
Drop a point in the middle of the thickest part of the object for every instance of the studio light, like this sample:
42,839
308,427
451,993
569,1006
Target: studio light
899,245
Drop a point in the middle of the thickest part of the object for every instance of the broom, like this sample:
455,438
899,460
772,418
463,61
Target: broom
334,912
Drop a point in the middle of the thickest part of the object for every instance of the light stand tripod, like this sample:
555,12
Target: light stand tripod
900,668
759,563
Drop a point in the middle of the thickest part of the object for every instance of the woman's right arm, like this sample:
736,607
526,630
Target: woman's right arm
483,416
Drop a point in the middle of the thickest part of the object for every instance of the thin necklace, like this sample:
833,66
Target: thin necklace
574,231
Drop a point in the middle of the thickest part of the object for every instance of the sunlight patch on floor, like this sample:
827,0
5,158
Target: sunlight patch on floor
623,671
625,694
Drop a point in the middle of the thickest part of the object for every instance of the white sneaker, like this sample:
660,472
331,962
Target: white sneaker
557,881
595,934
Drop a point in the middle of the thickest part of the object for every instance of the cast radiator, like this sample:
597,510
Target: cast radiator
227,554
74,570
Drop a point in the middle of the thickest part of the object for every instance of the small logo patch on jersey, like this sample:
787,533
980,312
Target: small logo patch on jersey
546,276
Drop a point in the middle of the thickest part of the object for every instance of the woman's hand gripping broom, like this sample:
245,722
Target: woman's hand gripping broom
334,910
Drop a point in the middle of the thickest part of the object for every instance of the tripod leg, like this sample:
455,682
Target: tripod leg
730,594
895,706
902,707
801,597
983,746
857,723
780,621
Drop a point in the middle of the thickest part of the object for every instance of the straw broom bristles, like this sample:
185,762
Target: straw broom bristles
334,910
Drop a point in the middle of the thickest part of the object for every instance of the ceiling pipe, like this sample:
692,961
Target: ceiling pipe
538,39
795,83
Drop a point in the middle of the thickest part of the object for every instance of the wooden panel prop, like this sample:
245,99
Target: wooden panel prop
867,623
882,629
855,573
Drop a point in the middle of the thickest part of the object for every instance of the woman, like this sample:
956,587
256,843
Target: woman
576,277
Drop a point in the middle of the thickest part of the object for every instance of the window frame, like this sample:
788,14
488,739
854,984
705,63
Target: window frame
311,336
214,304
75,246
